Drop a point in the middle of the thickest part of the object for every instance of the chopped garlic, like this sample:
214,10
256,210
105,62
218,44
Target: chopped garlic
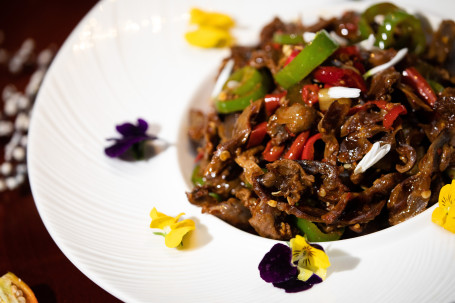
375,154
400,55
337,92
222,78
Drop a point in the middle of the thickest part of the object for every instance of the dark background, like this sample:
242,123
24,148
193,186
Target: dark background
26,247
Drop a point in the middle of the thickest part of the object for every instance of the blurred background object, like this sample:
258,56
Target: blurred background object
31,33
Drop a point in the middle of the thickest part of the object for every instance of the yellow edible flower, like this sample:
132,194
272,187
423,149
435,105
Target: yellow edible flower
213,29
444,214
212,19
310,260
173,231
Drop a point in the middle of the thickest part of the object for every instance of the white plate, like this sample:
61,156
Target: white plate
127,60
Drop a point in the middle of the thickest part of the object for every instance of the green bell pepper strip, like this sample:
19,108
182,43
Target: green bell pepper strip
253,85
408,24
314,234
240,103
281,38
307,60
247,76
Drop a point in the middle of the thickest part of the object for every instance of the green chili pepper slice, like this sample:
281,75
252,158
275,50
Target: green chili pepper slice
196,177
282,38
436,86
382,8
408,27
307,60
314,234
252,85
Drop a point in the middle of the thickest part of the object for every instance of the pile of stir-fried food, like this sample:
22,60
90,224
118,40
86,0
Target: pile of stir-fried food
331,130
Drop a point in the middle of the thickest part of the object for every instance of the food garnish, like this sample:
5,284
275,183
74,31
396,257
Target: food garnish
295,268
173,230
444,214
213,29
133,139
14,290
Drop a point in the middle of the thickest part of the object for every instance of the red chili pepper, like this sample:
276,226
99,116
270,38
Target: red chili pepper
295,151
272,152
272,102
257,135
291,57
328,74
349,51
379,103
199,156
336,76
308,149
310,94
393,114
413,78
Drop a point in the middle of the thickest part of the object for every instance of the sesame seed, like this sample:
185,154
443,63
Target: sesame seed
19,153
6,128
11,183
6,168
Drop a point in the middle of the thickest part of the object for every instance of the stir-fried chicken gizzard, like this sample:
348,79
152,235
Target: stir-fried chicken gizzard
331,130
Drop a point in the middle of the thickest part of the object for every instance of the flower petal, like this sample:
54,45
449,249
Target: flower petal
450,220
276,265
178,231
160,220
293,285
122,145
319,258
209,37
439,216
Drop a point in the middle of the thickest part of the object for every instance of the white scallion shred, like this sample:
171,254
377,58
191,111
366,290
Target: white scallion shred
337,92
400,55
376,153
368,44
222,78
308,36
338,39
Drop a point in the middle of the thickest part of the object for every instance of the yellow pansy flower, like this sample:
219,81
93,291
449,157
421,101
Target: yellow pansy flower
213,29
310,260
173,231
444,214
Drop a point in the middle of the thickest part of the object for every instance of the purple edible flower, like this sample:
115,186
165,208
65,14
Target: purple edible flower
132,137
277,268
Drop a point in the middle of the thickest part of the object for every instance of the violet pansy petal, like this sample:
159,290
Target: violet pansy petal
142,125
122,145
116,150
126,129
293,285
276,265
314,279
317,246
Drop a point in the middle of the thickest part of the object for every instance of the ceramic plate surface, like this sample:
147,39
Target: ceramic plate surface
128,59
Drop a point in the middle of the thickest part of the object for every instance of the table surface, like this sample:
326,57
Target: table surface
26,247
